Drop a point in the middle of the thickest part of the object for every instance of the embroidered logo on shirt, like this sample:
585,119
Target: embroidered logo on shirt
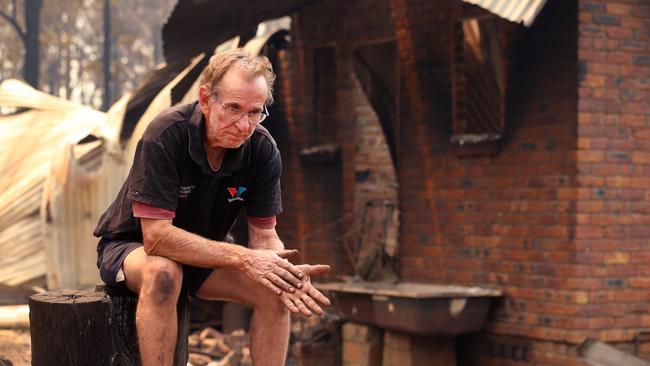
185,191
235,193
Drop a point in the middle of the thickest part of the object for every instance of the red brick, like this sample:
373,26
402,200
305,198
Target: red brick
604,68
590,206
601,322
618,9
639,282
634,119
583,283
618,58
616,258
617,335
634,22
590,156
619,33
606,45
593,81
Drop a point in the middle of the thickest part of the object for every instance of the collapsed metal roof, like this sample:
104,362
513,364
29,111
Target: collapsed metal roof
28,141
198,26
518,11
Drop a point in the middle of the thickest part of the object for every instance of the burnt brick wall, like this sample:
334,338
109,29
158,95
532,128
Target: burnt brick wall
557,218
613,157
423,30
310,192
509,219
291,223
504,219
321,194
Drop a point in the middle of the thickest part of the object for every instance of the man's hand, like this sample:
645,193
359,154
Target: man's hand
273,270
306,299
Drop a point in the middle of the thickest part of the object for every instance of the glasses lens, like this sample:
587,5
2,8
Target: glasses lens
235,114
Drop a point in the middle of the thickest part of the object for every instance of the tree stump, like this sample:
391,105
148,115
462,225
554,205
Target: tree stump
93,328
71,328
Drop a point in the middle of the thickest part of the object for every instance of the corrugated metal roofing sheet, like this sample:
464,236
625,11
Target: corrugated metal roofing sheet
28,140
518,11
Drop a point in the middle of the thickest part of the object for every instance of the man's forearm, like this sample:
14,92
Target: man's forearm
187,248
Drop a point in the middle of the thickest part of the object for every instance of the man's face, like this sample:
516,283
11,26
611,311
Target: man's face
237,92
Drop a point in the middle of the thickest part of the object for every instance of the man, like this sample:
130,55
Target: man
194,168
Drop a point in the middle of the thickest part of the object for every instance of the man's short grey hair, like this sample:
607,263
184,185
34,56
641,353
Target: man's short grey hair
253,65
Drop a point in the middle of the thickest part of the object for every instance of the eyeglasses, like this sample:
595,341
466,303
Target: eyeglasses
235,113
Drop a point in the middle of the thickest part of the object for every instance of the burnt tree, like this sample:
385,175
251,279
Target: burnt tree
29,35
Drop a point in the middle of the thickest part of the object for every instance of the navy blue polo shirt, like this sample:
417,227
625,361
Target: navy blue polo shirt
170,171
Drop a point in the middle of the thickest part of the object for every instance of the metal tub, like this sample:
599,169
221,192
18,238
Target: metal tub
415,308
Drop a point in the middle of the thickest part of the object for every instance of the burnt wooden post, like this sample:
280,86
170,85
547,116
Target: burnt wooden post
93,328
71,328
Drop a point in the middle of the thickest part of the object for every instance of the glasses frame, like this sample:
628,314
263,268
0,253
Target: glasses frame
264,114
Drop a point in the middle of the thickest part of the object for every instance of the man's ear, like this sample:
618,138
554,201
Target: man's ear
204,95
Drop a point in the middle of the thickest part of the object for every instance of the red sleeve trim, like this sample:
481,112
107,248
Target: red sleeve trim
263,222
145,211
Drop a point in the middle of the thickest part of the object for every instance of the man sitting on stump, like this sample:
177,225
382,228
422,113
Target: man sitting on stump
194,168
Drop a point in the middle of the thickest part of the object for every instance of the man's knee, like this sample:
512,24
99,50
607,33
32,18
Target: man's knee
267,301
162,281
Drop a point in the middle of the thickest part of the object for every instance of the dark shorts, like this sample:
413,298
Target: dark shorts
111,255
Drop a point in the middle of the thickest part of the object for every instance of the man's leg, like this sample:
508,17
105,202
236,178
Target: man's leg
269,331
157,281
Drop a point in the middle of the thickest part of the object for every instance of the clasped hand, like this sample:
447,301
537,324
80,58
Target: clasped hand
291,282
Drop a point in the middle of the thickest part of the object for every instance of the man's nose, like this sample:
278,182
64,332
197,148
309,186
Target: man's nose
242,122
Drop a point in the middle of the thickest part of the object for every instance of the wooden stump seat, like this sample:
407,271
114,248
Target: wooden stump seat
93,328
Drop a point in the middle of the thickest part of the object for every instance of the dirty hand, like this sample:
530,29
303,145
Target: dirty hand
306,299
273,270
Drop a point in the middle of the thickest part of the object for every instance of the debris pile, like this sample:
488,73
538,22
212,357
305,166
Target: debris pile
15,347
314,341
209,347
